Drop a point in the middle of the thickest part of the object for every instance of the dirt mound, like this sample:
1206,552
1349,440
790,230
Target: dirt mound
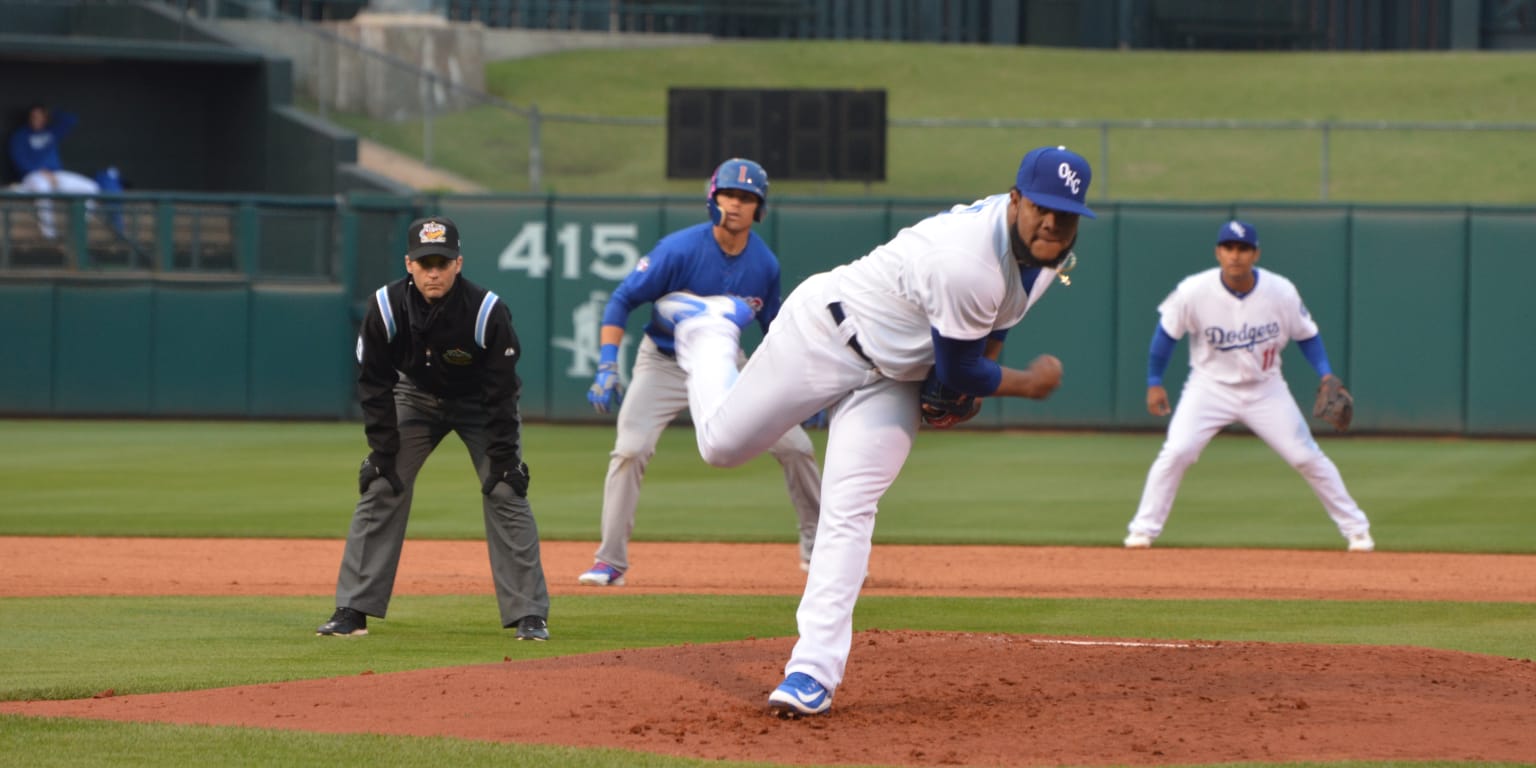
917,698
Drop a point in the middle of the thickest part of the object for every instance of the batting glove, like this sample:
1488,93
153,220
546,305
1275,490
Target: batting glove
606,394
514,475
378,465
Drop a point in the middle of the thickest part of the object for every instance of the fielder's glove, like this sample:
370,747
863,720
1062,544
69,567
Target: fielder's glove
943,407
378,465
606,394
817,420
1334,403
515,475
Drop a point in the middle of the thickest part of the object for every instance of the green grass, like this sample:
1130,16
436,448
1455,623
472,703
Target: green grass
490,145
43,743
166,478
182,643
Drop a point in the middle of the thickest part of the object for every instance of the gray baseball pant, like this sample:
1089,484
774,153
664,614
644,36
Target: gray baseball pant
377,534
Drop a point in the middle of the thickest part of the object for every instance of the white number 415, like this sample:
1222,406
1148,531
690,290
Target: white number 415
613,244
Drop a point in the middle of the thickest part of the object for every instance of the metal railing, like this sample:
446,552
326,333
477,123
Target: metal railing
1324,128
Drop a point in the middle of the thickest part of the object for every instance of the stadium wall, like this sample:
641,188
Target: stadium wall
1422,309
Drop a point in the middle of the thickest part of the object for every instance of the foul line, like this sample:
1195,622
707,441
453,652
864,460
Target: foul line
1123,643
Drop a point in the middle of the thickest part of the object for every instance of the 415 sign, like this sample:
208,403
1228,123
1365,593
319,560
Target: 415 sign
613,246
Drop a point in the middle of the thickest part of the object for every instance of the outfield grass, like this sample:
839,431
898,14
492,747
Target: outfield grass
166,478
296,480
490,145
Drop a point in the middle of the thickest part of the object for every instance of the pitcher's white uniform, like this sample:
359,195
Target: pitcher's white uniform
952,272
1234,353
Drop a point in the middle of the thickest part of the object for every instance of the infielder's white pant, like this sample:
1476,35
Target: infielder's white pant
658,391
804,365
1267,408
60,183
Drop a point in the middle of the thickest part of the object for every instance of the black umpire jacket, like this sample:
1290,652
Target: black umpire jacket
460,346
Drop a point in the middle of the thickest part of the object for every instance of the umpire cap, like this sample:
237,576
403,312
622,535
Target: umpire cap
432,236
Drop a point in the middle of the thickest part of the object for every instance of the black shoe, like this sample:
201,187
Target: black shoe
532,628
345,622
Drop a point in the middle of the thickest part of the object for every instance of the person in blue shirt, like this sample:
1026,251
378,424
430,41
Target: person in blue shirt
34,150
720,256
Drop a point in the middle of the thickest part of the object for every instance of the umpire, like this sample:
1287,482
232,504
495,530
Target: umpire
436,354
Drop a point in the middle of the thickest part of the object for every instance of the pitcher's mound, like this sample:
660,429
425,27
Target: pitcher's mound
924,698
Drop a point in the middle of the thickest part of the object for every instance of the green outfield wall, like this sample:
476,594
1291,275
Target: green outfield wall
1424,311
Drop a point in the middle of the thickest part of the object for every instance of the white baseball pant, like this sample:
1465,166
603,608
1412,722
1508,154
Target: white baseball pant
658,392
803,365
1267,408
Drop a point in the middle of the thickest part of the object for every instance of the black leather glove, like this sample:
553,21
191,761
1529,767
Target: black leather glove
378,465
515,475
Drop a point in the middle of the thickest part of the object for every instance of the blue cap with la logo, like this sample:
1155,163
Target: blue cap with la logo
1055,178
1236,231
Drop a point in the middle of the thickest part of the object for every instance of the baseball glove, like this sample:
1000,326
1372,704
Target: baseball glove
1334,403
943,407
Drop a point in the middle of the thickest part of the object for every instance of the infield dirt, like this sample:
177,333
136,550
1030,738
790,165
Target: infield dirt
911,698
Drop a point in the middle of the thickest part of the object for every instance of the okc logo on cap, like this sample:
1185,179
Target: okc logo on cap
1055,178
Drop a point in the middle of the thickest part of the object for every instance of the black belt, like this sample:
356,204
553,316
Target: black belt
836,308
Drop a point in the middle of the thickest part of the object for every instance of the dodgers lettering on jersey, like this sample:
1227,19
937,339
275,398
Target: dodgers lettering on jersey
690,260
952,272
1236,340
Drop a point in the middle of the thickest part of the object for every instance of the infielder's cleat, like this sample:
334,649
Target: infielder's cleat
602,575
532,628
799,695
1138,541
345,622
679,306
1361,542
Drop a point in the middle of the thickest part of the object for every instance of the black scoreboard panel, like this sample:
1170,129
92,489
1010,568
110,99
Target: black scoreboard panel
802,135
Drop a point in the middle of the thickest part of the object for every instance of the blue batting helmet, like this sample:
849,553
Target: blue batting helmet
738,173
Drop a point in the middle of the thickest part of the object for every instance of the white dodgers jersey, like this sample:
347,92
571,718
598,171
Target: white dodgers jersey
1236,340
952,272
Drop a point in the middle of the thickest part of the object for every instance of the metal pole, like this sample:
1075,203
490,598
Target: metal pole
426,119
326,55
1324,192
1104,158
535,150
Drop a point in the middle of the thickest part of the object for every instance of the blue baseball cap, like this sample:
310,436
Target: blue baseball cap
1236,231
1055,178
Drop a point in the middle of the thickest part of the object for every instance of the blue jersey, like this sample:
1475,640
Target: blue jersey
690,260
39,150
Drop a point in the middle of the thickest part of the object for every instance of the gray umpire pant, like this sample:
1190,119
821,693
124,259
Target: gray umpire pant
377,534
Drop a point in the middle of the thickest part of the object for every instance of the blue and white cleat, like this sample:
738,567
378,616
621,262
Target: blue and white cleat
602,575
679,306
799,695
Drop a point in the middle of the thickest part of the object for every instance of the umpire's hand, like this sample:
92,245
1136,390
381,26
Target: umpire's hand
514,475
379,465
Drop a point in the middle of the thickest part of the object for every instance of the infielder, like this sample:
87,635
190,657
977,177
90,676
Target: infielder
1238,319
935,302
721,256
